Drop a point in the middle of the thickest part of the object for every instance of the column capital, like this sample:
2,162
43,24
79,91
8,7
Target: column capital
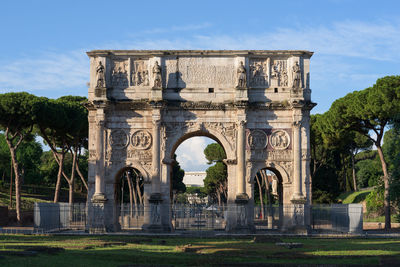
241,123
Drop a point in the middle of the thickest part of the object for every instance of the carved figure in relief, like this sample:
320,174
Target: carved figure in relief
257,139
146,78
141,139
157,75
296,75
118,139
279,139
119,74
100,75
259,72
241,76
285,78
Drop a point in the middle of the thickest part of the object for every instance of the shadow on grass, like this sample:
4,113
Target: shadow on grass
177,251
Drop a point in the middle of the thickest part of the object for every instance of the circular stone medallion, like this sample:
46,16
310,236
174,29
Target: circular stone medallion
257,139
118,139
279,140
141,139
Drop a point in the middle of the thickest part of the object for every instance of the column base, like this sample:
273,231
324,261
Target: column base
242,198
298,199
99,198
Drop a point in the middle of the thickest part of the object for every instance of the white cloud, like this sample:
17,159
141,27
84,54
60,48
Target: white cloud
190,154
51,71
337,47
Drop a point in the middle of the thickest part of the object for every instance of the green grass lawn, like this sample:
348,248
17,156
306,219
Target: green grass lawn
354,197
179,251
33,193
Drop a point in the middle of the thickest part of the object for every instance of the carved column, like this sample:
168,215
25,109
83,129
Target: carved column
99,194
155,199
156,156
241,161
297,191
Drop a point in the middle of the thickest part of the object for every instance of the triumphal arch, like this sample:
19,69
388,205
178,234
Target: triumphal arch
143,104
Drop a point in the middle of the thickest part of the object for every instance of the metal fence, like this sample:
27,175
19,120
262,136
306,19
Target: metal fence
59,216
342,218
317,218
198,217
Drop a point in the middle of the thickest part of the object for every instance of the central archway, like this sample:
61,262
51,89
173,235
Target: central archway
203,205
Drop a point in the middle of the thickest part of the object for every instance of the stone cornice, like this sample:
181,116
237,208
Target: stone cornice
202,53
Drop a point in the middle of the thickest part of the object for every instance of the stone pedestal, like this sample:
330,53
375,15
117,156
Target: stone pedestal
297,218
156,94
155,224
97,223
241,95
100,93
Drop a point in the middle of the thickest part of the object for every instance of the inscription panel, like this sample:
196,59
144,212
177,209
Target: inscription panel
199,72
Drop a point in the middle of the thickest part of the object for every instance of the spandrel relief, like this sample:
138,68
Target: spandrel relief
119,75
139,73
259,72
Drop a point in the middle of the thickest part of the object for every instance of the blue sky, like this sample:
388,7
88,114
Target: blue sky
44,42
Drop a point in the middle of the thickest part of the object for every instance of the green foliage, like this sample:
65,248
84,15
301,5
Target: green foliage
177,177
354,197
369,172
214,153
374,203
216,181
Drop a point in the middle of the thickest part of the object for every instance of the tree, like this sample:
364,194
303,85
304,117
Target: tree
215,183
63,124
18,114
177,177
369,112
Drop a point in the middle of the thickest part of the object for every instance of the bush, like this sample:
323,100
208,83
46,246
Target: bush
374,203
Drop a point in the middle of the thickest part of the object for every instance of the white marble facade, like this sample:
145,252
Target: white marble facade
143,104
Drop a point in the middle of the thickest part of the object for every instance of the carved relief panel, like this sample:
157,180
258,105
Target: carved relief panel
279,73
273,145
139,73
118,139
123,145
259,72
119,74
280,140
141,139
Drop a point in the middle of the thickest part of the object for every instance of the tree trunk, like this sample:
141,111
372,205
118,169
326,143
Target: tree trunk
131,192
59,174
11,183
71,181
219,197
17,185
354,171
138,187
267,190
261,198
386,202
81,175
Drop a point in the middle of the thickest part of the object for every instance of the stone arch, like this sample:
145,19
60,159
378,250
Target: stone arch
279,170
122,166
174,141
